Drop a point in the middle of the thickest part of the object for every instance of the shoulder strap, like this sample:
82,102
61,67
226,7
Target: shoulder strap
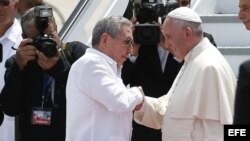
66,53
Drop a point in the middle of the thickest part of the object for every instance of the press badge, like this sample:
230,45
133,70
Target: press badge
41,116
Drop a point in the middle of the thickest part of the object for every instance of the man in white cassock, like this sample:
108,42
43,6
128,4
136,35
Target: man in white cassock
201,98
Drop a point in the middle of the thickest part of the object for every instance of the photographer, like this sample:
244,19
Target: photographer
150,65
36,76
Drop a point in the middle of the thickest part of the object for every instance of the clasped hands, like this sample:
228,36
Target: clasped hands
139,106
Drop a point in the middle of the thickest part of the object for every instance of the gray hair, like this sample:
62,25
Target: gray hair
29,19
196,27
111,25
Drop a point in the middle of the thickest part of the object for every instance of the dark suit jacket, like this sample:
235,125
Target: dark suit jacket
1,115
147,72
210,38
242,99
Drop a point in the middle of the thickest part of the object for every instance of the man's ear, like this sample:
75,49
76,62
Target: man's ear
188,32
104,41
104,37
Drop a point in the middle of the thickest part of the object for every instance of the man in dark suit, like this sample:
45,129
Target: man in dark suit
210,38
242,104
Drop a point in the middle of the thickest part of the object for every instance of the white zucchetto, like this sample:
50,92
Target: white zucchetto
186,14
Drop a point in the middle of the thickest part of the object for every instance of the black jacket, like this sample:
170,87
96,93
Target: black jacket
23,91
1,115
242,97
147,72
210,38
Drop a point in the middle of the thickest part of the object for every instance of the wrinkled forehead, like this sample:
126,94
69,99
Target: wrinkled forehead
167,24
244,3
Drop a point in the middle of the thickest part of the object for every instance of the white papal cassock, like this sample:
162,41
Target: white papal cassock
200,101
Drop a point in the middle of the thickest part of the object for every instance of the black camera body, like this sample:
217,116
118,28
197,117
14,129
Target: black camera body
147,34
46,45
42,41
146,13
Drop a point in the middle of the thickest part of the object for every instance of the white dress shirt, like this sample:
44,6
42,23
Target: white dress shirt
11,38
99,106
199,102
163,55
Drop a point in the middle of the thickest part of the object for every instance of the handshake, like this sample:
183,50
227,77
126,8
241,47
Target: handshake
139,106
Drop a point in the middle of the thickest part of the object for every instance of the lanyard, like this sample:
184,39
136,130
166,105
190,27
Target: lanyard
46,83
1,52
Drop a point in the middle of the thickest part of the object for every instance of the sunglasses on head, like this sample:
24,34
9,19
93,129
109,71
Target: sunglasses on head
184,3
4,2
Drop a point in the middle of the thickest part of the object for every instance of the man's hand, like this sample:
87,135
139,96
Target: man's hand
45,62
25,53
139,106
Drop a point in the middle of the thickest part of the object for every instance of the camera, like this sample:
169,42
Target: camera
150,11
146,34
42,41
46,45
147,13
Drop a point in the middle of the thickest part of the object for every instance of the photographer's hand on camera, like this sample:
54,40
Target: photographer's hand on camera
45,62
25,53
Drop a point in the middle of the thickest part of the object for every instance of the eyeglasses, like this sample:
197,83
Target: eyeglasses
127,41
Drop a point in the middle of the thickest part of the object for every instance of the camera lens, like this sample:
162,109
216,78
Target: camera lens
48,49
147,34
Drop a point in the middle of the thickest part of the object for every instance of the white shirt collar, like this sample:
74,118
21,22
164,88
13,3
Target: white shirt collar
13,33
109,60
